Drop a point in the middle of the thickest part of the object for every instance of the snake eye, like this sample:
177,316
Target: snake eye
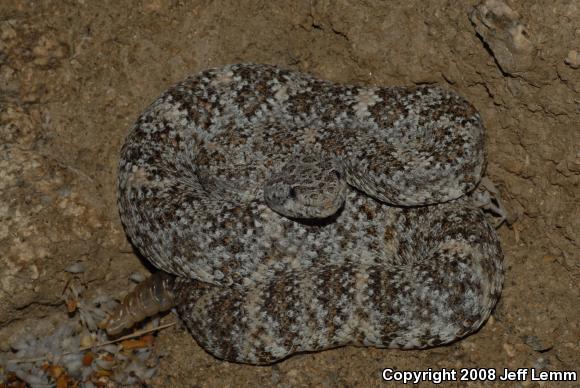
292,193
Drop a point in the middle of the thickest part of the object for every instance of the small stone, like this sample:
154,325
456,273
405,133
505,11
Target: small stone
509,349
137,277
535,343
78,267
573,59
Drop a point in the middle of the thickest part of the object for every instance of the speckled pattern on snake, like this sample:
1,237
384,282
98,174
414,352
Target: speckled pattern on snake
222,181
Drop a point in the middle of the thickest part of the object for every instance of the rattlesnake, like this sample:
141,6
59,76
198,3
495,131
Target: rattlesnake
269,194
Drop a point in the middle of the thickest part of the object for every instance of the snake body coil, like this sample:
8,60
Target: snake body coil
222,181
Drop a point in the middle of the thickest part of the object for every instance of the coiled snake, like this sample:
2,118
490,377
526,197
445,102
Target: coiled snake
291,212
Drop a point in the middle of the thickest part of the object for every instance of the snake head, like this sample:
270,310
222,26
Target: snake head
306,187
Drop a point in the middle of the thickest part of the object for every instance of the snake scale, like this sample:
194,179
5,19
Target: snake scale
297,215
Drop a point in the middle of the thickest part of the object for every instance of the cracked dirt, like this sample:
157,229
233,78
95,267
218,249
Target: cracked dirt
74,75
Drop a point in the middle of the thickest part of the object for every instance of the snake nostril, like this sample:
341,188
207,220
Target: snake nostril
292,193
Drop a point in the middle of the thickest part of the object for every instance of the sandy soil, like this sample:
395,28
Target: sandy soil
74,75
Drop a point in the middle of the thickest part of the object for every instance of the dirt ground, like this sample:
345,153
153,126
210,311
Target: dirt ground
74,75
